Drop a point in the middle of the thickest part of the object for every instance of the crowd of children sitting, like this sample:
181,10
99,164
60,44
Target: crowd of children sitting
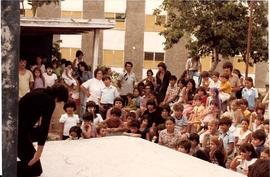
220,119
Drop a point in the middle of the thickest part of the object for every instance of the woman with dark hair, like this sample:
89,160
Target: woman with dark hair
36,107
247,157
77,60
149,77
162,79
83,72
92,87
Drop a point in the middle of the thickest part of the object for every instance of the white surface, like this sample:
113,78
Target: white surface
72,41
122,157
72,5
153,42
113,40
117,6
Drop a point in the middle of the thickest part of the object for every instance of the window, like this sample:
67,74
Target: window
149,56
120,17
159,56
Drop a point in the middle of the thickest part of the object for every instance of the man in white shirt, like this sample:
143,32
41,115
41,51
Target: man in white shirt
126,82
108,94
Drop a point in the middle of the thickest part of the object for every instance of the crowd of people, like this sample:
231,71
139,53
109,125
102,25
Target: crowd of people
218,117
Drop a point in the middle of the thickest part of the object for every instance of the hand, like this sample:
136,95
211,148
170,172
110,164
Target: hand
34,159
88,94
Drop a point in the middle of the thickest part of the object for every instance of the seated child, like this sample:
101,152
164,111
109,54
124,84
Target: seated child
215,82
184,146
68,120
225,89
180,120
101,130
133,131
94,109
88,127
131,105
258,140
75,133
172,91
206,80
195,117
114,123
265,154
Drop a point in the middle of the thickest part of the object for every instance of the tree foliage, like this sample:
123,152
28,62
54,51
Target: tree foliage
216,27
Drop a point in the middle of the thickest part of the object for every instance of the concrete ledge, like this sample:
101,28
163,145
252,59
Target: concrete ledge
119,156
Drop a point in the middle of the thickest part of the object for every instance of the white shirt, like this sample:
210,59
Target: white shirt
49,79
94,87
108,94
127,82
69,122
98,119
214,84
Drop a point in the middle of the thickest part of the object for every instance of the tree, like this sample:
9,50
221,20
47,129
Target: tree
216,27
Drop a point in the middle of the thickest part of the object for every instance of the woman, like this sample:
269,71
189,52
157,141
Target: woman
243,134
162,79
169,137
92,87
246,158
187,96
149,78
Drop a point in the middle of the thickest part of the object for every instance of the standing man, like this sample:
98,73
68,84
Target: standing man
233,79
35,110
26,79
126,82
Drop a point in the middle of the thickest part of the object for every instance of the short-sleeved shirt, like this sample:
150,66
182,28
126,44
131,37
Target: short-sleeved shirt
127,83
69,122
250,95
227,88
108,94
49,79
235,81
227,138
24,81
169,140
172,91
94,86
179,123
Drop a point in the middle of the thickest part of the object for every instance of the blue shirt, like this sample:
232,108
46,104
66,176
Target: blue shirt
250,95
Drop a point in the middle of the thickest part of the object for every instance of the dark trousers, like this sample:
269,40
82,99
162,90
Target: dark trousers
124,97
26,152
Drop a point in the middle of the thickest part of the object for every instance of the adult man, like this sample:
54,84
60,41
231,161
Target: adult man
234,80
26,80
35,110
126,82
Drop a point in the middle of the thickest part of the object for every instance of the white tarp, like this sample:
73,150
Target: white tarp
119,156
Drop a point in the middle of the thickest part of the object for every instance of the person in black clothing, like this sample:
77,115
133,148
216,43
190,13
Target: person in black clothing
154,114
162,79
35,110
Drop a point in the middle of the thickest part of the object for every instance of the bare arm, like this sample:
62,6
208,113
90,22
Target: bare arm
85,91
37,155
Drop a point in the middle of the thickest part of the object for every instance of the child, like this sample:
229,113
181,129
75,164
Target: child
217,152
93,108
194,140
69,119
130,117
165,112
67,75
265,154
180,120
195,117
114,123
225,89
56,68
215,82
258,140
101,130
184,146
117,103
206,80
201,92
88,128
131,104
108,94
172,91
227,137
133,131
266,130
244,106
75,133
49,77
137,97
39,81
250,93
144,129
258,123
213,95
205,137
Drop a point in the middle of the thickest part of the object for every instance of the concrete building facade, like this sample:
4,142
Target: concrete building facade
135,38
